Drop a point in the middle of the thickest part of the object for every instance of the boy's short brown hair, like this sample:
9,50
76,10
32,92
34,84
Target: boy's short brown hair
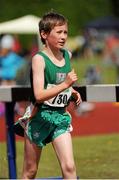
49,21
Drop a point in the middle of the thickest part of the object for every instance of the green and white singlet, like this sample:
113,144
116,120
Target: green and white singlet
55,75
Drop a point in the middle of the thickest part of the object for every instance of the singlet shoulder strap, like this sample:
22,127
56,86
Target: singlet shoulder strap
65,53
67,57
43,55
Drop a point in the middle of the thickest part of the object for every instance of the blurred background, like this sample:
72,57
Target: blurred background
93,35
94,43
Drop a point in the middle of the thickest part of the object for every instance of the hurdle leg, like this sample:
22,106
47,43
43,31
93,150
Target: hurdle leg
11,149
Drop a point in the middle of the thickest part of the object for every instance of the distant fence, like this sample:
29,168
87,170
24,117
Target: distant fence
11,94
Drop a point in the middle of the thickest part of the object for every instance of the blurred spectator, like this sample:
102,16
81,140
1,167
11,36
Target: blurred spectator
111,52
92,75
115,56
10,62
86,48
16,45
23,74
93,45
34,48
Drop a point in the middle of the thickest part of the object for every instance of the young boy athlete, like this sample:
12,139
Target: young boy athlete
51,81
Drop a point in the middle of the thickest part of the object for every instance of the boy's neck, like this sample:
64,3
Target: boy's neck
53,53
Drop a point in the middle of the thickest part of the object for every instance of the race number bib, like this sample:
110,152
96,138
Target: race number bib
60,100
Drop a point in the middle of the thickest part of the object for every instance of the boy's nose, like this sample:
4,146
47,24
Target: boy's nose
64,36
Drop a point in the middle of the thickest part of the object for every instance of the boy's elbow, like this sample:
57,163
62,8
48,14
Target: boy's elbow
38,98
41,96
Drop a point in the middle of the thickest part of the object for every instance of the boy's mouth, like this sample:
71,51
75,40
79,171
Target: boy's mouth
61,43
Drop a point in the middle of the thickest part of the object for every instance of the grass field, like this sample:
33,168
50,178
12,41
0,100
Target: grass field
96,157
107,70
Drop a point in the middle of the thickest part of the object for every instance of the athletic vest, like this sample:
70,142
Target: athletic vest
54,75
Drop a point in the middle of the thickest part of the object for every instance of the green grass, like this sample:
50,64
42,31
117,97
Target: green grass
96,157
107,70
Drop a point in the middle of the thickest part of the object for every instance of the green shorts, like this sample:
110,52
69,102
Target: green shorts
46,125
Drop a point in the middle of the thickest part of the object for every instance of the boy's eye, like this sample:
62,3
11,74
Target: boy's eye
59,32
65,32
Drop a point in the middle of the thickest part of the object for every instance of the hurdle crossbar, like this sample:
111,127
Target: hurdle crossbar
90,93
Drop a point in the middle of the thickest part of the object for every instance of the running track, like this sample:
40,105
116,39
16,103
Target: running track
104,119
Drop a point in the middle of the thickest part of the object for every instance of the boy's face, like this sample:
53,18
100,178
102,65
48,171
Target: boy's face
57,37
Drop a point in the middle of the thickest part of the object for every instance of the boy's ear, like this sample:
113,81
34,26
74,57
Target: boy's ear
43,34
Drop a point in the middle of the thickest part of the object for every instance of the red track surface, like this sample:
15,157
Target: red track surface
104,119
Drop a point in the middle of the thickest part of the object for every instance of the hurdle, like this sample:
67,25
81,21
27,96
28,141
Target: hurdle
12,94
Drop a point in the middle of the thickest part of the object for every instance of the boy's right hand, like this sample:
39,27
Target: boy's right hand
71,78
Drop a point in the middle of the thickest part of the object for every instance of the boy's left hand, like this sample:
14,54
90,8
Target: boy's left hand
76,95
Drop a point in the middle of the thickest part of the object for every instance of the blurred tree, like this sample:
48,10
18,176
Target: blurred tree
78,12
115,7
